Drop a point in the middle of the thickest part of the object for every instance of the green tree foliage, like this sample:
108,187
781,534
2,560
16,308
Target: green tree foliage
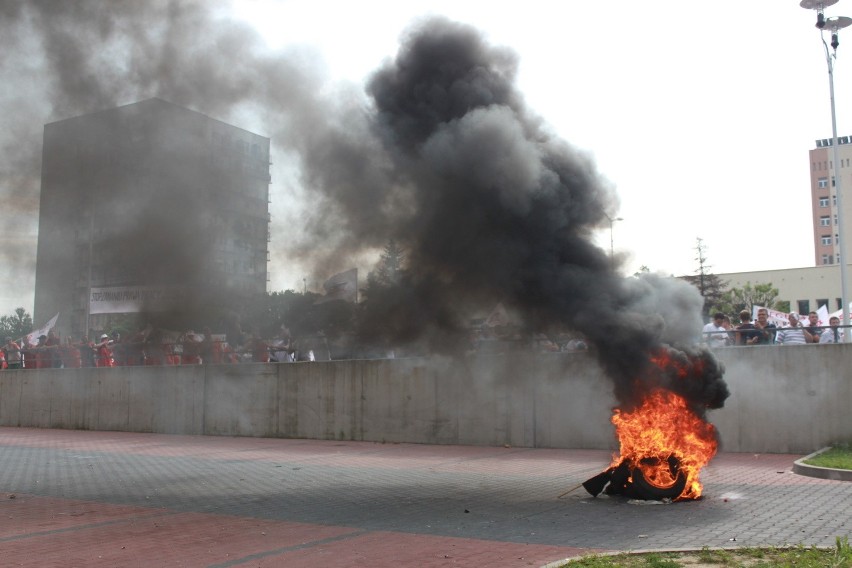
16,325
733,301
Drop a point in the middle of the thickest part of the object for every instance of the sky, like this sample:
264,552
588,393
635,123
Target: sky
699,115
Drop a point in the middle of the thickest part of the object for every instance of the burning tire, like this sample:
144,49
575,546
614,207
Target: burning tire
644,489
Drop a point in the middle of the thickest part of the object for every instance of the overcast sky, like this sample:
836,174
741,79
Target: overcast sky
700,115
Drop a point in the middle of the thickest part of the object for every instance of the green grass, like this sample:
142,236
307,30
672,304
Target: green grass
839,457
800,557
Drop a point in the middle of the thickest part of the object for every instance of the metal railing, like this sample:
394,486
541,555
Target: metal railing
768,335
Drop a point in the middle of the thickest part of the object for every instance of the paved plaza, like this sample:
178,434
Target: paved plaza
91,499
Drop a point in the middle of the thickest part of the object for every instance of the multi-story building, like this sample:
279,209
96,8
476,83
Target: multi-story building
149,208
824,197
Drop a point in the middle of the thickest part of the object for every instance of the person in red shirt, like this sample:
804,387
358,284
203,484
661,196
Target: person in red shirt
191,349
104,353
53,357
259,349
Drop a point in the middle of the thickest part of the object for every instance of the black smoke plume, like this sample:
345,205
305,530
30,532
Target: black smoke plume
442,155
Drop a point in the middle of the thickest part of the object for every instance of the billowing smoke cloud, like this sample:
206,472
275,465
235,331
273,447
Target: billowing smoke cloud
440,154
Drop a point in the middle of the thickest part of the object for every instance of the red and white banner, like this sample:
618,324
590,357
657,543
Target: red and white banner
782,319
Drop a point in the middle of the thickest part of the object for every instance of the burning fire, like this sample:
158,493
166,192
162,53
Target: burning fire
664,439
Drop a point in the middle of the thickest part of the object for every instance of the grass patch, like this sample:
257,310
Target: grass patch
801,557
838,457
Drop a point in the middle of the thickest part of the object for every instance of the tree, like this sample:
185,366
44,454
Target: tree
386,303
642,270
300,313
387,274
735,300
16,325
390,266
709,285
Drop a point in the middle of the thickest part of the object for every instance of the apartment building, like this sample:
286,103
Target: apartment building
149,208
824,174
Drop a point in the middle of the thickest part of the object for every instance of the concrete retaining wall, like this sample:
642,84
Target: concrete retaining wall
784,399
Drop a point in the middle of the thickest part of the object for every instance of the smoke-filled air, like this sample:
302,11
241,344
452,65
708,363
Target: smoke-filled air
438,152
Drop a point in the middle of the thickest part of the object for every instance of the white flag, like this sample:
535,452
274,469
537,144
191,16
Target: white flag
822,314
32,338
341,286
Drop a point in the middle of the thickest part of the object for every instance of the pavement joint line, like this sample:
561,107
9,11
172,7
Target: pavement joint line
310,544
88,526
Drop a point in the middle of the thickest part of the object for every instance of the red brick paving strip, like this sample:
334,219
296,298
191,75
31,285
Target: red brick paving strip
367,504
45,532
423,551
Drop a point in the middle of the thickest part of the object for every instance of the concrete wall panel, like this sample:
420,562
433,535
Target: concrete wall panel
239,400
784,399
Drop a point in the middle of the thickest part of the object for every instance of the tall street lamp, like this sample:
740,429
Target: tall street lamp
834,25
611,244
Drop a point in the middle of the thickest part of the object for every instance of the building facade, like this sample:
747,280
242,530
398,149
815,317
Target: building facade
806,289
152,209
824,197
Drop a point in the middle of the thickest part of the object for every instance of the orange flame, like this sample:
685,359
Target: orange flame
661,428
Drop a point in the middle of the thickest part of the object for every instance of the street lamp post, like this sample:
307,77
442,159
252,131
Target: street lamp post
834,25
612,220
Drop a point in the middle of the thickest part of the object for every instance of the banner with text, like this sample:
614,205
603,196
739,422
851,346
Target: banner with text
133,299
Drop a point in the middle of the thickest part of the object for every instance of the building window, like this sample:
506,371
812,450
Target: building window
822,183
834,200
835,218
822,302
839,303
824,221
804,306
826,259
823,201
826,240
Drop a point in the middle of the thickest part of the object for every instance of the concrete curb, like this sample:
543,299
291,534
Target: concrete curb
800,467
567,561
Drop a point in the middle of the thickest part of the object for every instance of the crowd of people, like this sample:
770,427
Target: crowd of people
158,347
721,333
147,347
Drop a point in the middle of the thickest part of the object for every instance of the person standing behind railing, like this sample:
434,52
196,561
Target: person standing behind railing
104,353
714,333
813,327
746,333
13,354
765,327
833,334
795,334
